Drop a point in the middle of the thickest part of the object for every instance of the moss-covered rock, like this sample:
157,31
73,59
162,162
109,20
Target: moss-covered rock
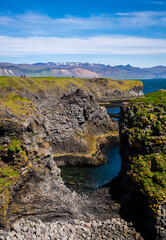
143,151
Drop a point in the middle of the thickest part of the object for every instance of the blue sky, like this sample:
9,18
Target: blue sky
101,31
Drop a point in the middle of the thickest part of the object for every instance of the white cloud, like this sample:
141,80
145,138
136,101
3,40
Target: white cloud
10,46
144,14
35,24
157,2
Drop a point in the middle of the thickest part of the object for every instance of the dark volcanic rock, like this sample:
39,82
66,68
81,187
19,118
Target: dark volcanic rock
38,190
40,129
76,126
143,148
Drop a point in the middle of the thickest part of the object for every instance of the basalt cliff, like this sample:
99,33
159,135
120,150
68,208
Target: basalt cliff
143,172
45,122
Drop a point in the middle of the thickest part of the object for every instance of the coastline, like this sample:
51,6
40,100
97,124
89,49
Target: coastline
43,170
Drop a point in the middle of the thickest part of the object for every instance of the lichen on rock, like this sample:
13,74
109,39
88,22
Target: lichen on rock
143,152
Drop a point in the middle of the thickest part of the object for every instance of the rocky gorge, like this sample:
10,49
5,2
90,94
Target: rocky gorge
46,123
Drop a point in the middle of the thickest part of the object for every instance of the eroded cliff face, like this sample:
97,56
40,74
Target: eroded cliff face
31,184
77,126
52,89
42,125
34,140
143,152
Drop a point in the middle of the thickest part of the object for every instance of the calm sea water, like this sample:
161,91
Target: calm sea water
149,85
92,178
153,85
81,178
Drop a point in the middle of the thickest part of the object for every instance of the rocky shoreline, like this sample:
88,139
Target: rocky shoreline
114,229
101,220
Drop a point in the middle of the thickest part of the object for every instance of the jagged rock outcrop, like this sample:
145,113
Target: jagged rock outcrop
43,124
31,184
143,152
77,126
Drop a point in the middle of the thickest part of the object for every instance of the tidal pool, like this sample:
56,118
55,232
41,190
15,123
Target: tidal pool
92,178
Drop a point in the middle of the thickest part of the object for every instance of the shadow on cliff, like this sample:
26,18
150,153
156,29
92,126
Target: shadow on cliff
133,208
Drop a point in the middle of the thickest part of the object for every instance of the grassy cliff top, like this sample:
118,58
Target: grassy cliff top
16,93
156,98
33,84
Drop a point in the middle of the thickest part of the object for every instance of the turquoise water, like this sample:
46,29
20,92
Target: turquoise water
81,178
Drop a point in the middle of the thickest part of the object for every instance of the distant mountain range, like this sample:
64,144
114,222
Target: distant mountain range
85,70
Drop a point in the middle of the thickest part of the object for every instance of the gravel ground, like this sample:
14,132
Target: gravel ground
114,229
